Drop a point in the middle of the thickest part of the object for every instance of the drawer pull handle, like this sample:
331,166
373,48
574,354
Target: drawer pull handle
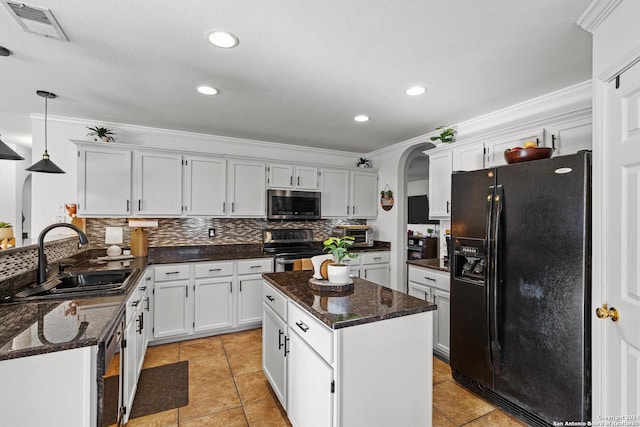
256,266
135,303
213,270
286,350
302,326
143,288
147,278
147,301
430,278
280,335
171,272
270,298
377,257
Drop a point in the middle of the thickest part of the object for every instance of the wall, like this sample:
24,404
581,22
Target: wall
52,191
393,160
418,188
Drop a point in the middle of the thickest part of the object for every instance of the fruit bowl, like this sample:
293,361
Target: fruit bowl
526,154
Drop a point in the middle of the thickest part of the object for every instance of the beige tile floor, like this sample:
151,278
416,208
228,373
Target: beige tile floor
228,389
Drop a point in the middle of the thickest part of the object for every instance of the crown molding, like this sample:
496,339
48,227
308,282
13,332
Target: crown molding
597,12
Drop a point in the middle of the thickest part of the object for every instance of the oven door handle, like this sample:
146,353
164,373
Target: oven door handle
284,261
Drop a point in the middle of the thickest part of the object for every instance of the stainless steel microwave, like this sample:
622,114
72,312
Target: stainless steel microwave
290,204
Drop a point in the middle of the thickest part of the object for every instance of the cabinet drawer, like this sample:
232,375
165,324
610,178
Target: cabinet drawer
132,306
428,277
275,300
375,257
262,265
172,272
317,335
213,269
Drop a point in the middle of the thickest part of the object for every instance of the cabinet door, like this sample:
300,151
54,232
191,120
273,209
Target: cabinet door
213,304
376,273
171,314
247,192
441,324
419,291
306,178
468,157
104,182
249,299
309,386
205,186
129,367
280,176
364,195
496,147
335,193
440,184
158,184
571,136
274,362
140,321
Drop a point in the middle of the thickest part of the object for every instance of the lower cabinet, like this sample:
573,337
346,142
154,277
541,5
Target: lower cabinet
326,377
207,297
372,266
433,286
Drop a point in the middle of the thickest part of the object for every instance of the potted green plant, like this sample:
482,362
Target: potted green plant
363,163
338,247
6,230
447,134
101,133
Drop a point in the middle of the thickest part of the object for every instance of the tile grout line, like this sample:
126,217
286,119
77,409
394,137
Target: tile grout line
234,382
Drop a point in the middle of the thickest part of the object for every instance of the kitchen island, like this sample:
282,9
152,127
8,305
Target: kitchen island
360,356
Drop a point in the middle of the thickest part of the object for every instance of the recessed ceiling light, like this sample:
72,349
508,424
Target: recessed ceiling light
223,39
361,118
416,90
207,90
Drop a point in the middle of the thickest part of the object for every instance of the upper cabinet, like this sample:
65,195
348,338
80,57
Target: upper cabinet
440,165
349,194
284,176
157,184
571,135
205,185
495,147
104,181
468,157
247,188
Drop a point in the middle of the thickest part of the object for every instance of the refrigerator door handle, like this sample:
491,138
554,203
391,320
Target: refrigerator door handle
489,275
498,202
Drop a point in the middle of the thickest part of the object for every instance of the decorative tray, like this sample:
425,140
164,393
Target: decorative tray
325,285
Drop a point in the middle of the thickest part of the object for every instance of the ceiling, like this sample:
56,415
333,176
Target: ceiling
302,71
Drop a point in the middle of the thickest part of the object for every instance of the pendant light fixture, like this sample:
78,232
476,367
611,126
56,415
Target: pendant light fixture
45,165
6,153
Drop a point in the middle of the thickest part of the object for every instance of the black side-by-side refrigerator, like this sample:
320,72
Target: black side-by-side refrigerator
520,287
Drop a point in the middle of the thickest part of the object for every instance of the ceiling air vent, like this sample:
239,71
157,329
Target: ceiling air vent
35,20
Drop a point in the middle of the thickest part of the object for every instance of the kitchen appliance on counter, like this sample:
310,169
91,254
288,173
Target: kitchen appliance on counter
294,205
362,234
288,245
520,287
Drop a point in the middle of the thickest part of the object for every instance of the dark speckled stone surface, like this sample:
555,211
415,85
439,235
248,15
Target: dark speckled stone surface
433,263
366,303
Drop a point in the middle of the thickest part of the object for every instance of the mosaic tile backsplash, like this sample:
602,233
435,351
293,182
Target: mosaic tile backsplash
170,232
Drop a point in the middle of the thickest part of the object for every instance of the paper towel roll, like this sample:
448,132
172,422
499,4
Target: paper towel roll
317,262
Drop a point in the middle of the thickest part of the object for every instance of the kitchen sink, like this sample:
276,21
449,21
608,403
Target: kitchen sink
77,284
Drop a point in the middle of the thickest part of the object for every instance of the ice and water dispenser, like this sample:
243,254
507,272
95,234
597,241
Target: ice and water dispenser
469,263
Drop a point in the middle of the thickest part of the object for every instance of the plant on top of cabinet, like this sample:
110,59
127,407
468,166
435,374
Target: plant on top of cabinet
447,134
364,163
101,133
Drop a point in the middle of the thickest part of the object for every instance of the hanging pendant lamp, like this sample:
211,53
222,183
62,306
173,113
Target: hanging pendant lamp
6,153
45,165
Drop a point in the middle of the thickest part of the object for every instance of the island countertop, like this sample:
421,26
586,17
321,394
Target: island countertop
366,302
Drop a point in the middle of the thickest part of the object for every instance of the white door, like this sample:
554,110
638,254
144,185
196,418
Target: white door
205,185
377,273
306,178
274,362
249,299
213,303
104,182
469,157
617,344
129,366
441,334
247,192
335,193
171,313
280,176
496,147
440,184
158,184
364,195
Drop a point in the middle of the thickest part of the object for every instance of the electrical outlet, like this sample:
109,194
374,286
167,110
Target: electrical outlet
212,232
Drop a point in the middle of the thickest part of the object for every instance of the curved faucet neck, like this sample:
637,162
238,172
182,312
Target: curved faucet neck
42,257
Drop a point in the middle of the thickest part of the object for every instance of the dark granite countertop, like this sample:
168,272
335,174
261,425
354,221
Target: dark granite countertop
432,263
30,328
367,302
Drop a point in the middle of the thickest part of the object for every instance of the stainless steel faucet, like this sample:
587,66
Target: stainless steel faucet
42,257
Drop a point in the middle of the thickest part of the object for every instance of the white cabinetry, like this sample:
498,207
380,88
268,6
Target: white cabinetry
247,184
497,146
468,157
157,184
440,184
205,185
433,286
297,177
351,194
208,297
275,341
570,136
375,267
104,181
